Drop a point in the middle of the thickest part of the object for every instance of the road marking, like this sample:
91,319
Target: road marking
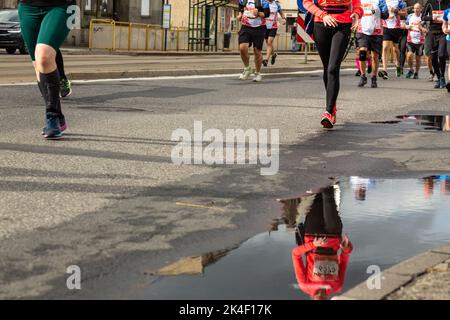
192,205
193,77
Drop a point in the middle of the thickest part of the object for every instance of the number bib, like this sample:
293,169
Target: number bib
326,268
438,16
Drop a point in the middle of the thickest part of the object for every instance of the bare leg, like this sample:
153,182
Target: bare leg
244,54
258,59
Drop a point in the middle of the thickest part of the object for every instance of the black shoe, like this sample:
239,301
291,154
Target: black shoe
384,75
448,87
265,62
410,74
362,81
274,58
65,88
416,75
374,83
358,74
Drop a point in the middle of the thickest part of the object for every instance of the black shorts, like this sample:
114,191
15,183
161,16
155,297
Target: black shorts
372,43
415,48
271,33
252,36
393,35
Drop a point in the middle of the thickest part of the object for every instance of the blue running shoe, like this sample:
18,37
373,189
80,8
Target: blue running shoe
62,124
53,129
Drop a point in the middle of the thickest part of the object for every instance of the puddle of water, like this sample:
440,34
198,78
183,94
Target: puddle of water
386,220
429,122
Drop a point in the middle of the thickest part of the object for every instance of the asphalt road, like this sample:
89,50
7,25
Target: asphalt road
105,198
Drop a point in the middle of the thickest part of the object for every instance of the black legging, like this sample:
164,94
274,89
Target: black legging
402,48
332,44
323,217
60,64
437,45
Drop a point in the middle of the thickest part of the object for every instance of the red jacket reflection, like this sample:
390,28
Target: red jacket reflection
311,277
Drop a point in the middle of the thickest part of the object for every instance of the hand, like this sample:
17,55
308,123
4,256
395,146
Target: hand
239,17
319,242
255,12
329,21
355,19
345,244
284,21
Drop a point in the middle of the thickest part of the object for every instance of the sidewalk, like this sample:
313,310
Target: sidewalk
82,66
423,277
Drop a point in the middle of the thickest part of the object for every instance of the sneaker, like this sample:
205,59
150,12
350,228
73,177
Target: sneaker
65,87
265,62
362,81
53,129
274,58
328,120
257,77
440,84
398,71
383,74
374,83
431,77
358,74
246,73
334,114
416,75
448,86
410,74
62,124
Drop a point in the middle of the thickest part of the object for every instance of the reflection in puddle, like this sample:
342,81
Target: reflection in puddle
430,122
387,221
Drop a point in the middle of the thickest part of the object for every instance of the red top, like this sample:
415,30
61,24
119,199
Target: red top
353,5
321,271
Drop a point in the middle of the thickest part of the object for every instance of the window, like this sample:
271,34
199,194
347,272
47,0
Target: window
88,6
145,8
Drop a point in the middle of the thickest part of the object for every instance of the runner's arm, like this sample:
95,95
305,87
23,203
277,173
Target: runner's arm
313,9
357,8
297,260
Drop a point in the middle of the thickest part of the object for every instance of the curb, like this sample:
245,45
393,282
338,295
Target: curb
398,276
173,73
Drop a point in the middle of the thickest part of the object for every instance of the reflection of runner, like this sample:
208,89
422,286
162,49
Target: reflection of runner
360,187
333,22
321,238
272,29
44,29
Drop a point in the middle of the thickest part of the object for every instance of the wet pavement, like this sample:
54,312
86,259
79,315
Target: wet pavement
387,221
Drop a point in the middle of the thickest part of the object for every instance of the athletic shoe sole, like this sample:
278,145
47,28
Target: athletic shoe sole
67,95
327,124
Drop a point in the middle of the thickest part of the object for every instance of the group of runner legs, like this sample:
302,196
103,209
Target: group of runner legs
378,24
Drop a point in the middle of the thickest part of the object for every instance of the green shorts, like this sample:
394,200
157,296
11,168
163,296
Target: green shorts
43,25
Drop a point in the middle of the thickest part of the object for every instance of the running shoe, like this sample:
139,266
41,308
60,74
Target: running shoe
440,84
274,58
265,62
383,74
257,77
358,74
246,73
448,87
374,83
431,77
416,75
328,120
362,81
410,74
53,129
62,124
334,114
398,71
65,88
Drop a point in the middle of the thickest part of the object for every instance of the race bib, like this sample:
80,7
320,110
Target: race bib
438,16
326,268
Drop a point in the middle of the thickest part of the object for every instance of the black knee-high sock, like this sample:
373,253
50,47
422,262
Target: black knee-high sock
60,65
442,65
50,83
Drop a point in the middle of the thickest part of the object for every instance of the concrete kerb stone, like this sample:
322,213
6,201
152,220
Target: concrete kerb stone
399,275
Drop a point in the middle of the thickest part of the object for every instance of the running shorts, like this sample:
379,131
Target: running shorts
415,48
271,33
43,25
372,43
392,35
252,36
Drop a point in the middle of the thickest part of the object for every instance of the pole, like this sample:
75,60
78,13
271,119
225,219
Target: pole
165,29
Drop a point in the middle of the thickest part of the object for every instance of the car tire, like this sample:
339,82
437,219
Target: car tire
11,50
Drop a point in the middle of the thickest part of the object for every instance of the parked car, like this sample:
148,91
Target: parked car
10,33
